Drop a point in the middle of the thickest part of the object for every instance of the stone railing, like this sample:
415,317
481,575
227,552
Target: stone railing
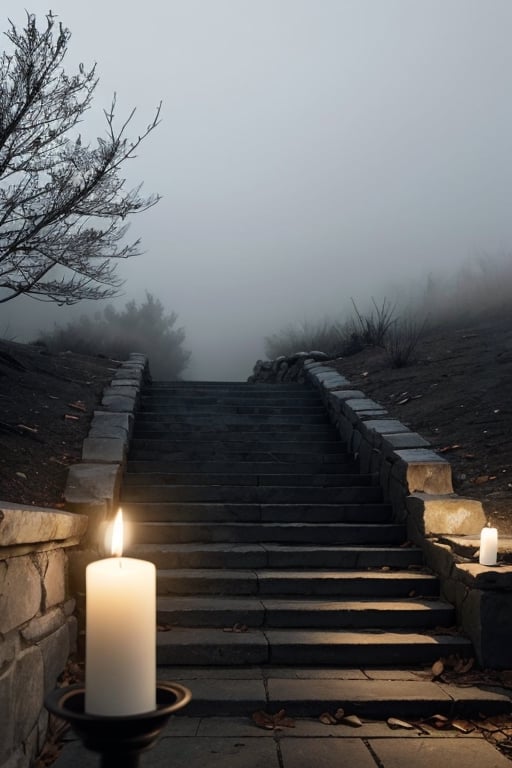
417,482
37,625
43,553
93,485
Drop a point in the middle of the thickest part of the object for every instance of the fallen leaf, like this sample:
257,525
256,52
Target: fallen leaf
464,726
24,428
271,722
352,720
339,714
488,725
22,475
70,417
327,719
237,628
437,669
79,405
263,720
439,721
394,723
447,448
481,479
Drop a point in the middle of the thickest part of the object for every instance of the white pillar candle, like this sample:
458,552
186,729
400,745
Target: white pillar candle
120,641
488,546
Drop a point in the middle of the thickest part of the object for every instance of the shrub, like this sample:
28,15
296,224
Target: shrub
372,328
112,333
401,340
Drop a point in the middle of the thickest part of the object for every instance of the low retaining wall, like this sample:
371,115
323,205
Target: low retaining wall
37,625
41,564
417,482
93,485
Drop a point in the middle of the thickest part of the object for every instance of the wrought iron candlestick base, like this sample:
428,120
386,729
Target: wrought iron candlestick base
119,740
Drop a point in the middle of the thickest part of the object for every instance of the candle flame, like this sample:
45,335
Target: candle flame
117,534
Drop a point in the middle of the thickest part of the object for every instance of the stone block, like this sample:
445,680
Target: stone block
385,477
20,592
55,653
365,451
72,625
93,489
111,424
9,645
121,389
354,442
376,430
104,450
42,626
27,693
438,557
485,577
397,496
21,524
397,442
337,397
119,403
421,470
55,578
6,718
432,514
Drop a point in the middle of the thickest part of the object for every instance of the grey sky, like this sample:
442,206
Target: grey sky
309,151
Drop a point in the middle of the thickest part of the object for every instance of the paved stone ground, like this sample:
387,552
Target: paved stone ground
238,743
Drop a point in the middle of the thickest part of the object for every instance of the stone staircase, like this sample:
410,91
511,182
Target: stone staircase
276,558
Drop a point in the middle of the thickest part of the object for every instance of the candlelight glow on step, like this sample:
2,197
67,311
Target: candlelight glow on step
488,545
120,644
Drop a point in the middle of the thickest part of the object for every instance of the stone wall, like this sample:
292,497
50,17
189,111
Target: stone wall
37,625
417,482
43,554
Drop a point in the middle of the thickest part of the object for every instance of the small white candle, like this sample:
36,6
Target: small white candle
488,545
120,641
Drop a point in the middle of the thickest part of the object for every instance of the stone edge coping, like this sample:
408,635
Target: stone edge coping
93,485
22,524
437,519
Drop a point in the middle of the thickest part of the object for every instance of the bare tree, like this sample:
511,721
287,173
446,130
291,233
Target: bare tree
63,204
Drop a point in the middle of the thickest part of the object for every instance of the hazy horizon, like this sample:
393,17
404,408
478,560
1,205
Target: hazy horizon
308,153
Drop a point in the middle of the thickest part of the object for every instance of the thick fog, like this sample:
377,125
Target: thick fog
309,151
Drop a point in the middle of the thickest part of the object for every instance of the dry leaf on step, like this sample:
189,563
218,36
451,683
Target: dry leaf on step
394,722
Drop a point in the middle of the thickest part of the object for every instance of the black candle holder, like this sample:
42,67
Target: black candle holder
119,739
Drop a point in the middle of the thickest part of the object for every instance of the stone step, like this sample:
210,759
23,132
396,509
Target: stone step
235,447
227,456
208,611
190,400
197,646
290,389
170,407
187,435
278,583
208,418
283,533
131,479
372,693
277,556
323,465
147,511
258,494
144,423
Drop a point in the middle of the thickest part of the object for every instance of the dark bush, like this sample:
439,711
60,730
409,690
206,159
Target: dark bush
137,328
